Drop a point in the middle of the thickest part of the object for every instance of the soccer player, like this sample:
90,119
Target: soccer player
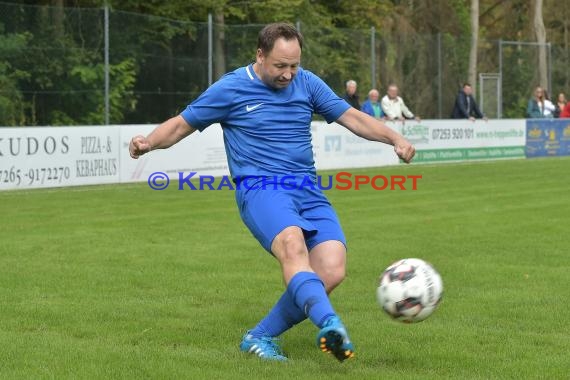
265,110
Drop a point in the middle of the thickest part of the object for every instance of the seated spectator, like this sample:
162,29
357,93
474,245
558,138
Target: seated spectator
372,106
351,96
394,107
465,105
539,107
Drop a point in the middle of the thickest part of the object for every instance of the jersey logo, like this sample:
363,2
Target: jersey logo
251,108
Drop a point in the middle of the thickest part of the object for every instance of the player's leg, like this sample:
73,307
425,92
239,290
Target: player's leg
266,214
328,259
305,290
303,285
305,295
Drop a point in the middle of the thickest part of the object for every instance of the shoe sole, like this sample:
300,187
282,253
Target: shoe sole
331,342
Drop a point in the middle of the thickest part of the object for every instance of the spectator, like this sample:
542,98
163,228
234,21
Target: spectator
372,106
565,113
539,107
351,96
394,107
560,104
549,107
465,105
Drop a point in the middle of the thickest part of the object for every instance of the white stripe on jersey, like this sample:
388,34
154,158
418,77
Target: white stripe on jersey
248,72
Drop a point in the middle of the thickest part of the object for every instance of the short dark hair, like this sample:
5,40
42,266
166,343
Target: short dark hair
272,32
466,84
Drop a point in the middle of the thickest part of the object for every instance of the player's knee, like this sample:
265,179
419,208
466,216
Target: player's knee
289,245
333,276
337,276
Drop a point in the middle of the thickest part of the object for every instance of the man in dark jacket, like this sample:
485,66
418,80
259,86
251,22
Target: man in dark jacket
351,96
466,106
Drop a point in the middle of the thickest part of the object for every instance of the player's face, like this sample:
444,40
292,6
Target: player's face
278,68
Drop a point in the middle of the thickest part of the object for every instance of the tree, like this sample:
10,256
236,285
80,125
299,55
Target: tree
540,33
159,51
472,73
219,40
12,105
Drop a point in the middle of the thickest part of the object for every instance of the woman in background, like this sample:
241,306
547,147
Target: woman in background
549,107
537,106
560,104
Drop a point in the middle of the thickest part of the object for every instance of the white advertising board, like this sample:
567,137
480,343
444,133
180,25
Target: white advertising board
201,152
69,156
458,140
58,156
335,147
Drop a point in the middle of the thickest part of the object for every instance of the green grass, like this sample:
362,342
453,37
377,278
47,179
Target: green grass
125,282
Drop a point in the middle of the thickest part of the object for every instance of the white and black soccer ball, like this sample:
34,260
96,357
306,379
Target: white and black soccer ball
409,290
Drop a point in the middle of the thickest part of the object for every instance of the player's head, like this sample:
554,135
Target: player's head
278,55
351,87
467,89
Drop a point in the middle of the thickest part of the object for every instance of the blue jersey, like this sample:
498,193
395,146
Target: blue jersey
266,131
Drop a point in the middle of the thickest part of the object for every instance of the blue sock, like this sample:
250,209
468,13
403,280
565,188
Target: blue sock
308,292
284,315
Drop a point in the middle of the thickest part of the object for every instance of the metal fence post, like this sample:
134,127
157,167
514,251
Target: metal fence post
500,79
439,79
106,65
550,90
373,57
481,102
210,49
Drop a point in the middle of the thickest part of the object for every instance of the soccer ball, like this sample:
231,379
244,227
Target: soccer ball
409,290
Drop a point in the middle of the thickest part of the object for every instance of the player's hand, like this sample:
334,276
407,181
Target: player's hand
405,150
138,146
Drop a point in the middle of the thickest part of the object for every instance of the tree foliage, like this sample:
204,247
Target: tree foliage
52,67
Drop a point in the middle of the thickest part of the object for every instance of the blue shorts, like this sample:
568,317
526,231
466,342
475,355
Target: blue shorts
267,212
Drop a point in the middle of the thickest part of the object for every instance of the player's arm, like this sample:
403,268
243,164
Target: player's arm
367,127
163,136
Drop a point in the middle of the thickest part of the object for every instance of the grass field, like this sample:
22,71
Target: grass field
125,282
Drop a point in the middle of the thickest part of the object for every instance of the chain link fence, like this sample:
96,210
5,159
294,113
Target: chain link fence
53,69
